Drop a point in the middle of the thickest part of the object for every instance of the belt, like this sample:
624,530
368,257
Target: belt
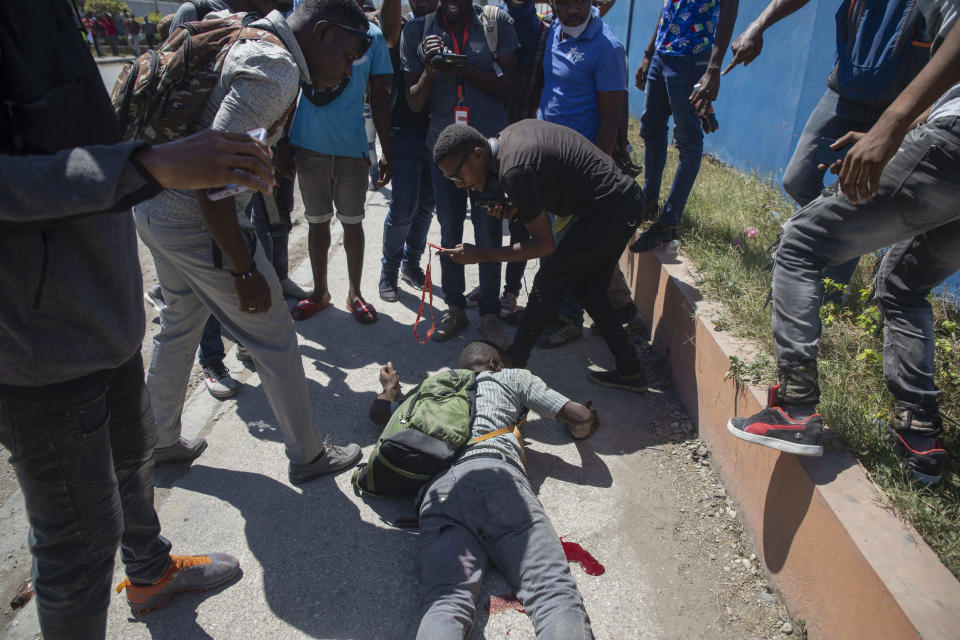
493,455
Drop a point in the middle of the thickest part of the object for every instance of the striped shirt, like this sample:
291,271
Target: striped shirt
503,398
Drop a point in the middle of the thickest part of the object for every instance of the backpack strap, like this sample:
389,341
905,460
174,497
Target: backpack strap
515,429
488,17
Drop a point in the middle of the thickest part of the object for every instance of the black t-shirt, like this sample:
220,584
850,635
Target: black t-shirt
546,166
402,117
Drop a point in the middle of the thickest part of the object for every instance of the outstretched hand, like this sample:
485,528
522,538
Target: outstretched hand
861,169
746,47
462,254
210,159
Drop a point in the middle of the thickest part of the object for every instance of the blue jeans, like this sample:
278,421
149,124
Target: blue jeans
82,452
484,510
273,238
832,117
669,85
451,212
411,208
916,212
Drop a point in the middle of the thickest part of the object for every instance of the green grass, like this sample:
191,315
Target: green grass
854,401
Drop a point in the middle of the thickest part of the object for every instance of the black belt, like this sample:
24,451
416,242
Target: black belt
493,455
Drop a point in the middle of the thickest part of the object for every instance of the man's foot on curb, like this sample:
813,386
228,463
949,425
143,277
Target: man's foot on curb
331,460
636,383
388,290
773,427
292,290
186,573
219,382
492,331
182,451
655,237
912,436
454,320
413,276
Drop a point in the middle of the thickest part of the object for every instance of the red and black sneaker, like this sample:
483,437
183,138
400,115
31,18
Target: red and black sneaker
773,428
913,436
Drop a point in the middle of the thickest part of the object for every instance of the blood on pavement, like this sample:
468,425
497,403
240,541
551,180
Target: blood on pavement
576,553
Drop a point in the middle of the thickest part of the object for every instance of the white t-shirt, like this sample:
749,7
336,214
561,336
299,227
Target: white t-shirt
940,16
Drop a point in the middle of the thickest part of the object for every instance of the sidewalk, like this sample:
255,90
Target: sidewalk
319,562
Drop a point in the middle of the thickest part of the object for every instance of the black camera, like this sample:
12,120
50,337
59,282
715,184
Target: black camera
448,58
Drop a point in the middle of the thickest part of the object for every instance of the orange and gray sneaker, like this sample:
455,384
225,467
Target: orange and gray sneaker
186,573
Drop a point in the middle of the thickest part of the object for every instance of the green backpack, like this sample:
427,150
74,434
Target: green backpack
424,434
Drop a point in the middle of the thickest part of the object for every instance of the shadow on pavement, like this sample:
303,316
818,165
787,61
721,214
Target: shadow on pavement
326,572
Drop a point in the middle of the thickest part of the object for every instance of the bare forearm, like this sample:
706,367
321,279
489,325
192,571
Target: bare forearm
390,22
503,87
220,219
941,73
517,252
725,22
775,12
418,95
380,112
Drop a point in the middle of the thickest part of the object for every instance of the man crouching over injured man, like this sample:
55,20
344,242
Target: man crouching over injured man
545,167
482,508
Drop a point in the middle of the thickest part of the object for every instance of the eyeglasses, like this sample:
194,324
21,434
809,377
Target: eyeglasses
455,176
365,38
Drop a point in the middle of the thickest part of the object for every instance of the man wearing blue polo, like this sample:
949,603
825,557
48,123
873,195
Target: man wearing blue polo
332,164
584,88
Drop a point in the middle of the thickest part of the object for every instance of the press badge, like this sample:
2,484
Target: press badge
461,115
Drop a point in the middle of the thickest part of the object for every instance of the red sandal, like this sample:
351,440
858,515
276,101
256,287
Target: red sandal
362,311
307,308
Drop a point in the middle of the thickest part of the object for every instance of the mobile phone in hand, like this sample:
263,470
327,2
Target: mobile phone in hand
233,189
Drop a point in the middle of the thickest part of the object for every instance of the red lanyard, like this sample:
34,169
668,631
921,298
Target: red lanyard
427,286
457,48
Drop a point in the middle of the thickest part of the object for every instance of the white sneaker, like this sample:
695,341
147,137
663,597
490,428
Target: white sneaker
492,331
219,382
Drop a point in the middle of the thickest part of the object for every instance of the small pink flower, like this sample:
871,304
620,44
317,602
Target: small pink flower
751,232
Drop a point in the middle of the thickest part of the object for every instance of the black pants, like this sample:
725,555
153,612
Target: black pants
582,265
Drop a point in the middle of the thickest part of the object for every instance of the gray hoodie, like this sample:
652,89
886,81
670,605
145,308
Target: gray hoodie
70,282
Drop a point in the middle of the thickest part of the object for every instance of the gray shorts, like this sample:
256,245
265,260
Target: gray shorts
332,181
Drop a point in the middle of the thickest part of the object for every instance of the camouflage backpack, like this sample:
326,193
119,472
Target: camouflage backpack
159,96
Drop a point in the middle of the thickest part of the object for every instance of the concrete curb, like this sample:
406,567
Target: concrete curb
842,558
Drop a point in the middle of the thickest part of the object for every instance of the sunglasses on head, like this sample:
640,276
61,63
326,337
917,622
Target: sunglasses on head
365,38
455,176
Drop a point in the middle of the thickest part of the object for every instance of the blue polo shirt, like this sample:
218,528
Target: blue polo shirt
575,69
338,128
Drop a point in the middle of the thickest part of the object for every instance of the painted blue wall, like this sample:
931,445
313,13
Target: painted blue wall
763,107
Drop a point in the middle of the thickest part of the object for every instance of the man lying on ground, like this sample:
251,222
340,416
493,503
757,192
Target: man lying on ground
543,167
898,187
483,508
